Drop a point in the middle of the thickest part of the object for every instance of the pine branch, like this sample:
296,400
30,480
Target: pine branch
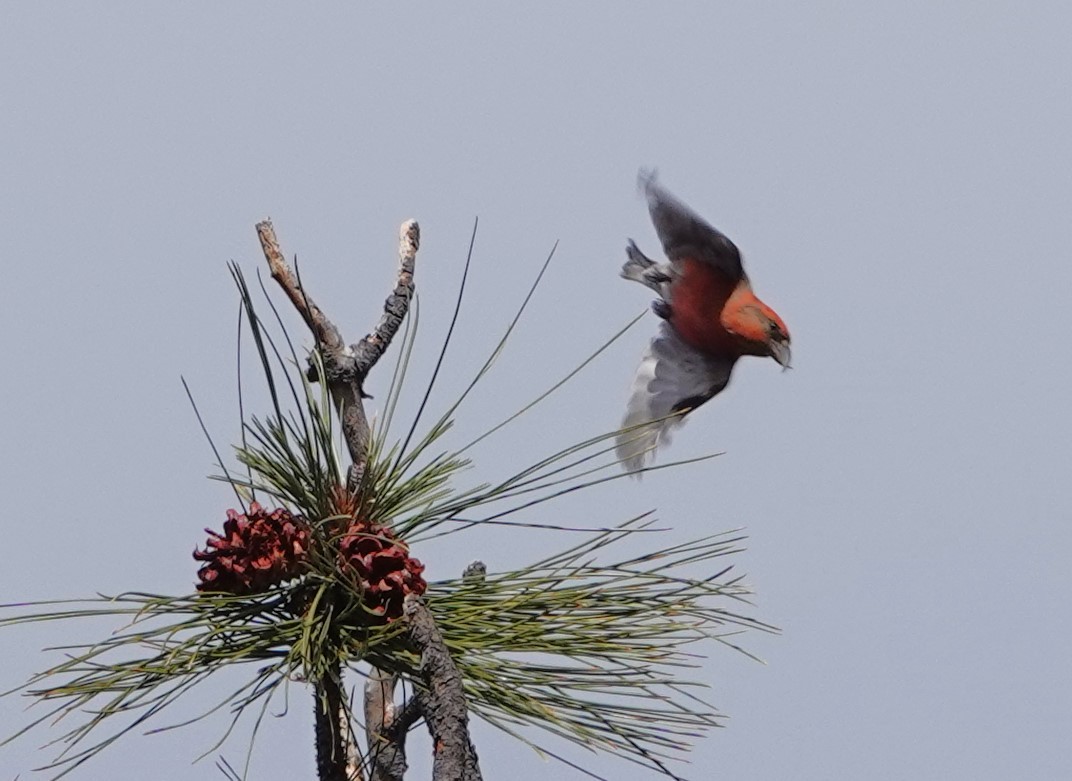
442,701
590,651
444,707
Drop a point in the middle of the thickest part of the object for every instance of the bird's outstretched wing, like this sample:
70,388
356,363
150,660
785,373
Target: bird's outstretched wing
672,379
684,234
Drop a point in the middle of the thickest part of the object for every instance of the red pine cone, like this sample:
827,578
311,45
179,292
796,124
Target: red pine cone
255,552
383,567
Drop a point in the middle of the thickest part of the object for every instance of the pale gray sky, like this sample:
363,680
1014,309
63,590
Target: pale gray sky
898,178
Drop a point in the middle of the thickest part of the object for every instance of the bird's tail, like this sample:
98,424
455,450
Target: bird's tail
638,267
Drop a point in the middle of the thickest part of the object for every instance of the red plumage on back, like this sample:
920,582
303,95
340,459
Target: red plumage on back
710,316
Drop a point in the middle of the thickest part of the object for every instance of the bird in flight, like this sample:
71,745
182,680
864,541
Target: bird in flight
710,318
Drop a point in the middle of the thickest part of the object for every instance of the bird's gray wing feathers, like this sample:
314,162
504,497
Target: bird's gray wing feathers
672,379
684,234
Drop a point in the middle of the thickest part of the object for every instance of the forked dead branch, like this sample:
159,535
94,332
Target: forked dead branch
347,366
442,704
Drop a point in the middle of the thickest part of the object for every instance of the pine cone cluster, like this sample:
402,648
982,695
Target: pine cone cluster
256,551
382,567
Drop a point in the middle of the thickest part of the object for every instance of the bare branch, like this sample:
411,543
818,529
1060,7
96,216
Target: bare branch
323,329
442,700
344,382
336,754
368,350
387,748
476,572
405,718
387,723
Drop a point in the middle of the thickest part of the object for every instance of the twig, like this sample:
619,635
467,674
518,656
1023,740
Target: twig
368,350
387,747
336,755
323,329
344,381
476,572
405,718
442,700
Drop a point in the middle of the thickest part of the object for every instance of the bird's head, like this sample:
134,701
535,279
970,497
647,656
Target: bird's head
758,328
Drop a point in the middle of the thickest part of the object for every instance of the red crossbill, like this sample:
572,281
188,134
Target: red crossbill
710,318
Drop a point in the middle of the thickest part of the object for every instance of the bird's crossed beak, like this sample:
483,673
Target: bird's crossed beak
780,352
